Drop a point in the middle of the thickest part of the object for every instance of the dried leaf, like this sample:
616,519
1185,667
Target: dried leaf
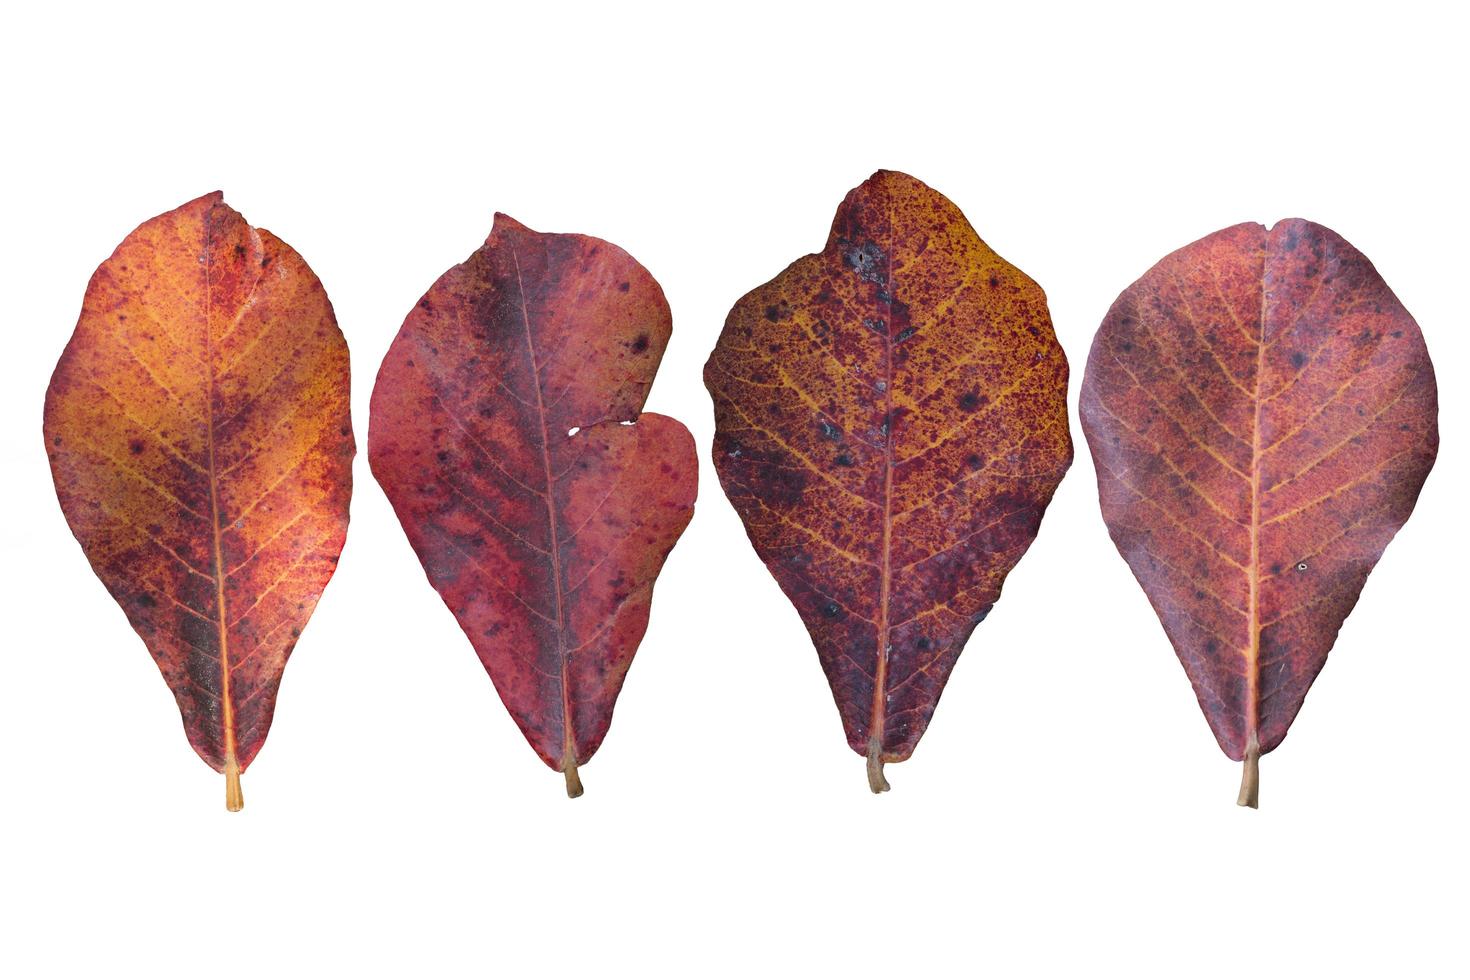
1262,413
890,425
506,432
200,441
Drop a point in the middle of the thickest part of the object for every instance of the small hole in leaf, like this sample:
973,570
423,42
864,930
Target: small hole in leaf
574,430
1301,566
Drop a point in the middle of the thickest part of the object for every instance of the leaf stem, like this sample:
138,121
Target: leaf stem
234,797
574,781
876,780
1250,776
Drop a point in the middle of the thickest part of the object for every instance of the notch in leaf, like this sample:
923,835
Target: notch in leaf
1262,413
891,424
507,430
198,430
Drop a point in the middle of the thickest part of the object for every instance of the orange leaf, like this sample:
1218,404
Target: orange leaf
199,437
1262,412
891,423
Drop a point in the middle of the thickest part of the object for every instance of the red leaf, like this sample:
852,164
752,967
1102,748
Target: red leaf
200,440
891,423
1262,413
501,433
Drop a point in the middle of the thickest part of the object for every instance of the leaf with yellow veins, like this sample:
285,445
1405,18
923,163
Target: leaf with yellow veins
198,430
1262,412
891,423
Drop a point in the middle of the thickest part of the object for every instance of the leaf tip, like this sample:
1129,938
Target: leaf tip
201,204
1284,224
505,224
898,177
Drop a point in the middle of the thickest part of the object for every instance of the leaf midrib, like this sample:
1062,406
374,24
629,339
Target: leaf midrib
569,745
217,551
1253,565
877,723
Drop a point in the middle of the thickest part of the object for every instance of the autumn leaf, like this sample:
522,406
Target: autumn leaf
890,425
1262,413
199,437
506,431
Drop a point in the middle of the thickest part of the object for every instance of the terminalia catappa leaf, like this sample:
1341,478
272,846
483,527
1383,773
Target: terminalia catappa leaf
199,438
506,431
890,425
1262,413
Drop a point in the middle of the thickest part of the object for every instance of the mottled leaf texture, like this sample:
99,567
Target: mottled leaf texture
199,437
1262,413
506,430
890,425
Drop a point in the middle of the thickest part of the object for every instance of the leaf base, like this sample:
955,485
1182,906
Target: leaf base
234,796
1250,777
877,782
574,781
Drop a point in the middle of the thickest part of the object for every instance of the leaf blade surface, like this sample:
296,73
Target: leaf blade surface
890,425
1262,413
199,437
506,431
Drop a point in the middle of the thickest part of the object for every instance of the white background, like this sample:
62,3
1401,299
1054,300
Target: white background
1068,813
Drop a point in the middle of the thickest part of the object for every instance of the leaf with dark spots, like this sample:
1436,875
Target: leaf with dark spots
498,432
891,522
1262,412
200,440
